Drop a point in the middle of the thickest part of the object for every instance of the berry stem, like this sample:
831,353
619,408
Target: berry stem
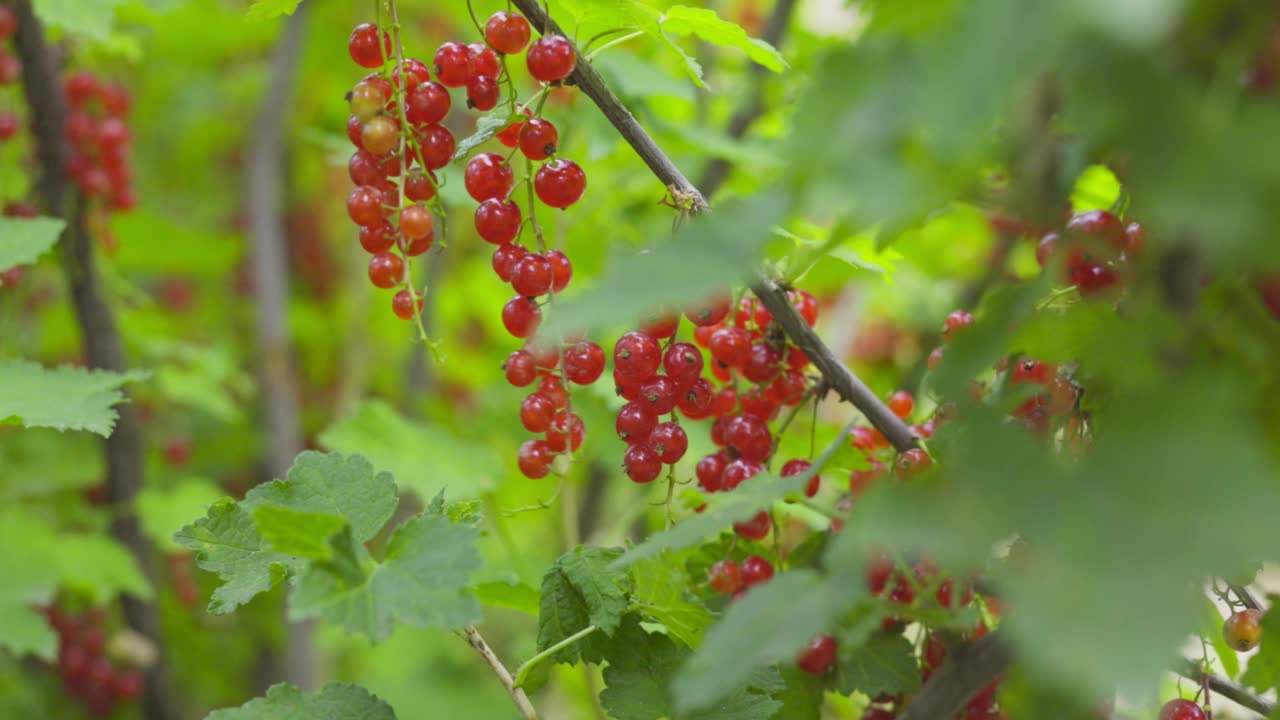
522,674
1225,688
611,43
518,696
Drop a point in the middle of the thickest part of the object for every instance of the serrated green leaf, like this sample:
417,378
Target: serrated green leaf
883,663
704,23
423,457
24,630
333,484
769,624
267,9
64,398
659,593
487,126
332,702
298,533
228,544
581,588
24,240
512,596
801,697
422,582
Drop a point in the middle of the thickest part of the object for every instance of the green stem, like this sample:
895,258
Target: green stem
522,674
611,43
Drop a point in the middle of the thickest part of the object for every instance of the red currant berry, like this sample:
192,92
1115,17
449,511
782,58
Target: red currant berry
756,570
520,368
860,480
1181,709
416,222
354,128
507,32
535,458
378,238
739,471
536,412
709,472
420,186
538,139
427,104
9,125
641,464
658,395
386,270
521,317
488,176
365,169
757,528
1100,224
583,362
498,221
566,432
694,400
798,466
1033,371
531,276
634,423
637,356
483,93
725,577
364,206
559,183
437,145
806,305
819,656
901,404
730,346
955,322
454,64
1243,630
404,305
413,69
365,47
554,390
561,270
787,389
366,99
505,258
550,58
484,61
510,135
750,436
669,442
380,135
763,364
683,363
709,312
911,463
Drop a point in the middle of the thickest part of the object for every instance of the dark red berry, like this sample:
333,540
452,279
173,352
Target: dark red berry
404,304
756,570
709,471
538,139
566,432
550,58
912,463
739,471
641,464
453,64
437,145
1181,709
798,466
763,364
757,528
364,206
535,458
583,362
483,92
635,423
637,355
725,576
536,412
669,442
427,104
520,368
750,436
559,183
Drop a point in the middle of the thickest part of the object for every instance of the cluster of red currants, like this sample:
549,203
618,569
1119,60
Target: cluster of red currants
88,675
99,136
735,578
1094,247
10,70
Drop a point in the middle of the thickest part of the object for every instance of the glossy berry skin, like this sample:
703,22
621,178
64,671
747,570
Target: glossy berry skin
505,258
1101,224
1243,630
709,471
531,276
366,99
583,362
364,206
404,305
657,395
756,570
694,400
561,270
739,471
956,322
483,93
634,423
488,176
1181,709
901,404
484,62
567,432
364,45
386,270
637,356
641,464
520,368
498,221
377,238
730,346
534,459
683,363
911,463
414,70
380,135
559,183
798,466
454,64
437,145
510,135
550,58
763,363
419,186
725,576
521,317
416,222
757,528
427,104
536,412
819,656
538,139
669,441
507,32
750,436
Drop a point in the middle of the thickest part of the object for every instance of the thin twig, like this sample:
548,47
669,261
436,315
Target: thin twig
518,696
1246,597
969,669
103,347
1226,688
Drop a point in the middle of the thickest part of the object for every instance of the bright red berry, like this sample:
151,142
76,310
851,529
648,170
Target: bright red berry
531,276
437,145
520,368
798,466
730,346
416,222
404,304
694,400
756,570
510,135
521,317
507,32
535,458
561,270
634,423
1181,709
488,176
709,471
683,363
550,58
454,64
538,139
641,464
559,183
725,576
483,93
498,221
427,104
536,412
763,363
637,355
484,61
566,432
386,270
739,471
364,206
901,404
955,322
583,362
505,258
365,47
669,441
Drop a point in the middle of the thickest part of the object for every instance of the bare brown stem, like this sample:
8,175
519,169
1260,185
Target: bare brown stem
518,696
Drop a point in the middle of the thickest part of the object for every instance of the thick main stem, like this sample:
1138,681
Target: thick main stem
264,183
103,347
518,695
969,669
1226,688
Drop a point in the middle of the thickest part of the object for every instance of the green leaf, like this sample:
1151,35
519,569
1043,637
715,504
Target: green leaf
769,624
268,9
581,588
23,240
64,398
422,582
685,20
1263,673
802,697
228,544
1212,629
1097,188
660,593
884,663
722,511
512,596
160,509
486,127
719,250
333,702
298,533
92,19
426,458
333,484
